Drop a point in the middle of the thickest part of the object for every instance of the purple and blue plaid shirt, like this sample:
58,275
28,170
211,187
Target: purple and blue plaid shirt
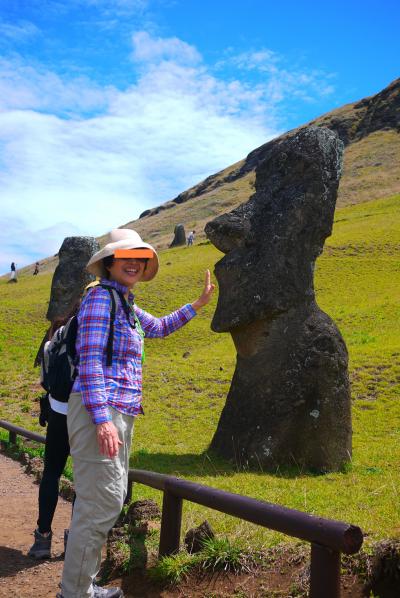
118,385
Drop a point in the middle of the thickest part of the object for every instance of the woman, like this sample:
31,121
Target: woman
55,457
105,400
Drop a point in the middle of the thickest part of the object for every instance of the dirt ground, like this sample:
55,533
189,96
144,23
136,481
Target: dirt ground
20,575
23,577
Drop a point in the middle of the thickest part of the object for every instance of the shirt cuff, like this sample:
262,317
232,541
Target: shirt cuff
188,311
100,415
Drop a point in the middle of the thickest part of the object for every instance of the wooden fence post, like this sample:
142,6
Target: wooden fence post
170,524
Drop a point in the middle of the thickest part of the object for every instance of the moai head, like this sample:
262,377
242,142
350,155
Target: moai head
70,276
272,241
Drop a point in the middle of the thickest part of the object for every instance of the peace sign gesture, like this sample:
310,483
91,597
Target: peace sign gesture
206,294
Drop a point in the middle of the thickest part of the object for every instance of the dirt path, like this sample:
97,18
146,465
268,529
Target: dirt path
23,577
19,574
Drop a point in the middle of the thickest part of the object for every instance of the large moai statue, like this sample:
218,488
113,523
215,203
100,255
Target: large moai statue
69,281
289,401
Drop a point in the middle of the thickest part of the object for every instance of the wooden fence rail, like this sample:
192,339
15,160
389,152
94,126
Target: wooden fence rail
328,538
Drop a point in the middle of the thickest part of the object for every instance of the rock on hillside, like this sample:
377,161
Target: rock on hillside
353,122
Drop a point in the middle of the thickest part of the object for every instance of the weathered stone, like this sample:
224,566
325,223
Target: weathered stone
289,401
70,277
179,236
195,537
165,206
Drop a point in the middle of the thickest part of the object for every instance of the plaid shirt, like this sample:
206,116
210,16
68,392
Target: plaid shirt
118,385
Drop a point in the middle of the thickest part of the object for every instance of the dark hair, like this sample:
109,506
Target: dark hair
107,263
61,321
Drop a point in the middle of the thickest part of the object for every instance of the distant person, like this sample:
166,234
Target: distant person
190,238
36,270
105,399
55,455
13,273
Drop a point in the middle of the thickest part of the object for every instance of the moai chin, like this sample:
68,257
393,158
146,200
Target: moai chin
289,401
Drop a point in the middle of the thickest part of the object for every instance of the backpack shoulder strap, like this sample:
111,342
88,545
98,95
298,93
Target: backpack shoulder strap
114,295
69,334
110,341
126,308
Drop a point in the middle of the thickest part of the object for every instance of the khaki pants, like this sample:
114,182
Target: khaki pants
100,487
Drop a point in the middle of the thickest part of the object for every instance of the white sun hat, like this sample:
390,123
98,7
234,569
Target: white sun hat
123,238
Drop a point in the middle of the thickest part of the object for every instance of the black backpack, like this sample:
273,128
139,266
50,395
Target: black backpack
60,361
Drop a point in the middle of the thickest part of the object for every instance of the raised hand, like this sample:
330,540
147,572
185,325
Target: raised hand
206,294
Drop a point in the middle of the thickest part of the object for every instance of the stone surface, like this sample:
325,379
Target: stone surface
194,539
179,236
289,401
70,277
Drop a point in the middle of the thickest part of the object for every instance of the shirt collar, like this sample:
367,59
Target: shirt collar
118,287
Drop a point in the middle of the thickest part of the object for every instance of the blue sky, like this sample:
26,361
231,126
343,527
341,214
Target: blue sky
110,107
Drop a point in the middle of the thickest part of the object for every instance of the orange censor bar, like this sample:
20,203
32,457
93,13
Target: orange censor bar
133,253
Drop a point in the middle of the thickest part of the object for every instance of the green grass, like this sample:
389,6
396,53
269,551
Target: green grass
217,554
357,283
173,569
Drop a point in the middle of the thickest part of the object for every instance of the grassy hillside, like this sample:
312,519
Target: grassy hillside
187,377
371,168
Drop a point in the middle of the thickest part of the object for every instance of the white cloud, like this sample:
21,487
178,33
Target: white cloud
75,156
279,80
262,60
27,87
149,49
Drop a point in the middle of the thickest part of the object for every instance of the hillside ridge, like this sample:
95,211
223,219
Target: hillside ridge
351,122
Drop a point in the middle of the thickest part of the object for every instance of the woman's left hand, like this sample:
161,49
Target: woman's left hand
206,294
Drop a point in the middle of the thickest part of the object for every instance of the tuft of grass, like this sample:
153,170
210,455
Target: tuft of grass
221,554
217,554
173,569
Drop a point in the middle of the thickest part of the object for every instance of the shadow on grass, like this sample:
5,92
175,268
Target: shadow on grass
184,465
207,464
